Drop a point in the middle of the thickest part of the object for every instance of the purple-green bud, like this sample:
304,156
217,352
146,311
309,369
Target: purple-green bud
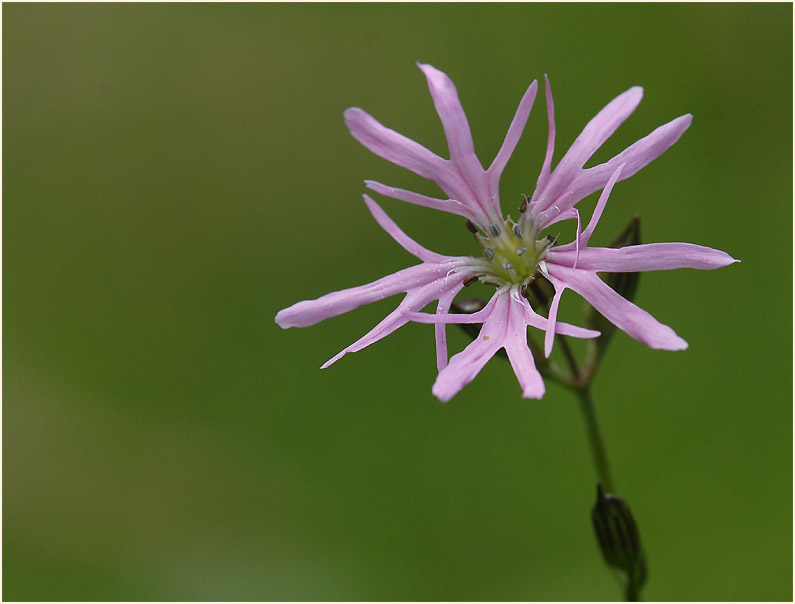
619,540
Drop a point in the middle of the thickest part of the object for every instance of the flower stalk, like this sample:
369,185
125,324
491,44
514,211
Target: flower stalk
615,528
595,440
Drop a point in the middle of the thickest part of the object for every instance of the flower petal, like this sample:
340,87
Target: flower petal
408,154
445,205
465,365
583,239
456,318
530,316
512,137
310,312
543,175
406,242
415,299
565,329
621,312
636,156
440,329
395,147
593,136
645,257
457,132
520,356
549,336
393,321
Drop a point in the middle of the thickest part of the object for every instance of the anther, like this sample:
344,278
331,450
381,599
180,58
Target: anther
489,252
517,231
495,229
523,207
470,280
472,228
521,250
508,266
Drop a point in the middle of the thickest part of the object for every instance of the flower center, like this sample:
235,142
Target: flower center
512,252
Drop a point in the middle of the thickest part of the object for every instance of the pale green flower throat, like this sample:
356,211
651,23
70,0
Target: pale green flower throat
511,250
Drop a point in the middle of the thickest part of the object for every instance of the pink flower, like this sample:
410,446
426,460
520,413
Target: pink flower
513,253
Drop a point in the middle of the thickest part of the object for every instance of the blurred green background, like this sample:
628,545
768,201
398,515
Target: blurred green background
176,174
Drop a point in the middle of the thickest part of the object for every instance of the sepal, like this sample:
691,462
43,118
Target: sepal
619,540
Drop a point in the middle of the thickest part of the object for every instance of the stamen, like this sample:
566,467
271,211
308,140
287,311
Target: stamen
489,252
495,229
542,266
517,231
472,228
508,266
526,287
523,207
470,280
521,250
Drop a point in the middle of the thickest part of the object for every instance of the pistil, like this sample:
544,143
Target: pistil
511,256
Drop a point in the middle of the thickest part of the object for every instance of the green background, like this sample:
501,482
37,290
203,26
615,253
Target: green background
176,174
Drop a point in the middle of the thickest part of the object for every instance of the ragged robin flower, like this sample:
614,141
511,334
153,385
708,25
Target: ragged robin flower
513,253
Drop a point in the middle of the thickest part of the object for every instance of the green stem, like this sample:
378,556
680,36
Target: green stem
598,450
576,374
580,383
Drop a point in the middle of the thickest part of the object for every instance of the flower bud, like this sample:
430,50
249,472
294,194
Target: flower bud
619,540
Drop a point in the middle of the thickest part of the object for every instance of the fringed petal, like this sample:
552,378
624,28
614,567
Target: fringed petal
511,138
549,336
445,205
621,312
309,312
465,365
636,157
645,257
593,136
440,329
406,242
457,132
395,147
415,300
544,174
519,354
